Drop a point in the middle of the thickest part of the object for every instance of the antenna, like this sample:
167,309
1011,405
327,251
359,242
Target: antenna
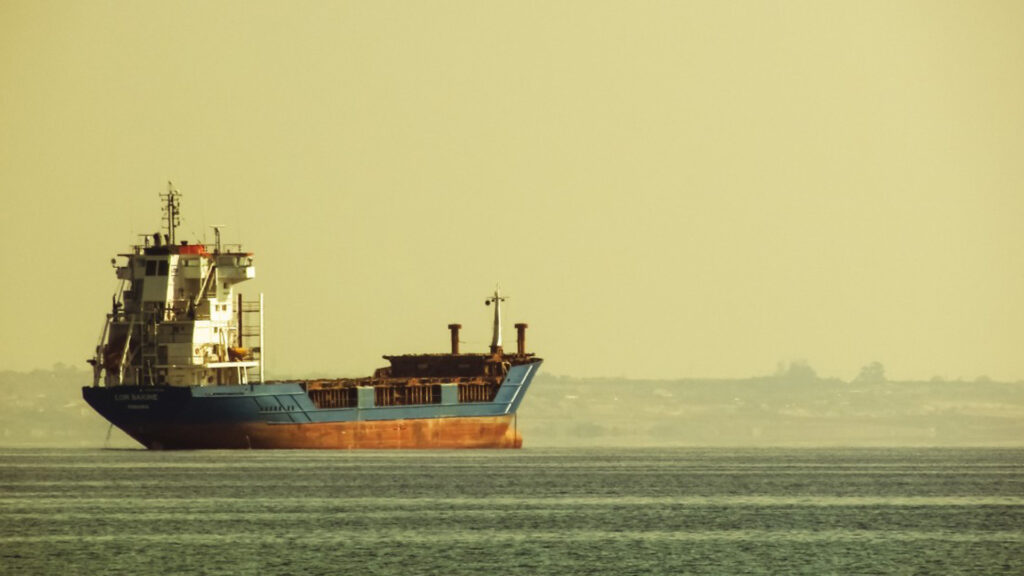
216,237
172,216
497,299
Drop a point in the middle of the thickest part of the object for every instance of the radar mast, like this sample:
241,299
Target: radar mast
497,299
172,216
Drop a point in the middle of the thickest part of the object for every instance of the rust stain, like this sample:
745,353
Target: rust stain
439,433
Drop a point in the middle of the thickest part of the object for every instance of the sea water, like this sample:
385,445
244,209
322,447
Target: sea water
532,511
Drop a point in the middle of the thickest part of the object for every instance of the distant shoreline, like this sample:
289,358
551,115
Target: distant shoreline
791,409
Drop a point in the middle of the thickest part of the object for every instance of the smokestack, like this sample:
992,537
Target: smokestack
455,337
521,337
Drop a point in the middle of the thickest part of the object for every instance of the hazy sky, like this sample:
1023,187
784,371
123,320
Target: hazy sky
665,189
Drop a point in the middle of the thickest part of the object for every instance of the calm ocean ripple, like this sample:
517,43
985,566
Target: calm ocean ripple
674,511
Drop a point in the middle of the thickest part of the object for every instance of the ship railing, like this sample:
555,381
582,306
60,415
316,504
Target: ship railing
178,310
225,248
406,392
250,333
183,309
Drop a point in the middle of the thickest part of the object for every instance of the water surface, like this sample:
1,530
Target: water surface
657,511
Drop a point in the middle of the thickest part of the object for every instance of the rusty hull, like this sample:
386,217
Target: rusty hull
427,433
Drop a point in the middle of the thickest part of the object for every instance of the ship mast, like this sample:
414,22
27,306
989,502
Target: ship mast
172,217
497,299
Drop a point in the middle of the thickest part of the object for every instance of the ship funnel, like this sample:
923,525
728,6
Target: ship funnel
521,337
455,337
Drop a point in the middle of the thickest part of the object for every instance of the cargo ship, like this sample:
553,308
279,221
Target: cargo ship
180,365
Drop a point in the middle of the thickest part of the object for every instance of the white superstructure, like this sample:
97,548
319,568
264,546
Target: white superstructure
176,319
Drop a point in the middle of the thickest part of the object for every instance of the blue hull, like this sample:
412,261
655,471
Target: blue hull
282,415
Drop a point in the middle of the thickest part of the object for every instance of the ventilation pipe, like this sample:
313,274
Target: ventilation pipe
521,337
455,337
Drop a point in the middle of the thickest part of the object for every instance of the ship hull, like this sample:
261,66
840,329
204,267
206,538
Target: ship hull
280,416
424,433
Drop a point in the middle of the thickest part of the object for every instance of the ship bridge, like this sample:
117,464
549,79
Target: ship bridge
176,318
